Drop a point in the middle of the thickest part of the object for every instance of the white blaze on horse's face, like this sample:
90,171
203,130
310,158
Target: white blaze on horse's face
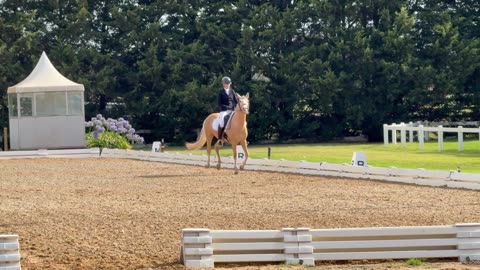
244,103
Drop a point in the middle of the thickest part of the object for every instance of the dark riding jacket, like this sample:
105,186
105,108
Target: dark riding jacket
227,102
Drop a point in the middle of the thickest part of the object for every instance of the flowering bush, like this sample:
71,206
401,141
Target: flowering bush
108,139
111,133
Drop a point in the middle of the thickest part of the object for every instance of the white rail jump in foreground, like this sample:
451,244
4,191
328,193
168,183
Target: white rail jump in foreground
203,248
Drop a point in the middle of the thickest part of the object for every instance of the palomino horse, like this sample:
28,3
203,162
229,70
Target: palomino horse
236,134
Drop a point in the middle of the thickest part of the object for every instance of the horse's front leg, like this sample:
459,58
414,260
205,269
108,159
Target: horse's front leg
217,150
234,149
245,150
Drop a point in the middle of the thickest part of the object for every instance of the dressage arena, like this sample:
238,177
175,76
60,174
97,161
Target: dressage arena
125,214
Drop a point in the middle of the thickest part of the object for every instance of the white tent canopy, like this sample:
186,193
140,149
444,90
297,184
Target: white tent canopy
45,78
46,110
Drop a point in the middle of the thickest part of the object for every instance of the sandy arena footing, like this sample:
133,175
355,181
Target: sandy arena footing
124,214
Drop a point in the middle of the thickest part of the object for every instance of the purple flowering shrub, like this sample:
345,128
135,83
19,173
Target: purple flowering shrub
111,133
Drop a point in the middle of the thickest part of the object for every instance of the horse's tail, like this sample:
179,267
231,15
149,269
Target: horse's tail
200,142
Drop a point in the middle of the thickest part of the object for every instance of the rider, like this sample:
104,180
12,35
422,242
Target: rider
227,101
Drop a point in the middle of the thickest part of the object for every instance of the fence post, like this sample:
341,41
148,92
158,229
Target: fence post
403,135
298,246
460,138
5,139
427,133
421,133
410,132
440,138
394,133
468,243
385,134
197,248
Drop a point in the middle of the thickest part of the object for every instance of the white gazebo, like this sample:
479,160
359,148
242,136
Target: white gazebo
46,110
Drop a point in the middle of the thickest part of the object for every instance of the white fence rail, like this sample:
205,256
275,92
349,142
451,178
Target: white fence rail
9,252
409,176
43,153
202,248
422,134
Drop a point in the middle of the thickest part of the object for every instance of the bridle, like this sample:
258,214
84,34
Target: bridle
242,108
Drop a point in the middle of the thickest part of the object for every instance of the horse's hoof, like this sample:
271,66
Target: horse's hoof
207,166
218,166
242,167
236,171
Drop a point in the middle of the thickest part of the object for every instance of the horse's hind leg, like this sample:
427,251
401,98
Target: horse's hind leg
209,149
219,161
245,150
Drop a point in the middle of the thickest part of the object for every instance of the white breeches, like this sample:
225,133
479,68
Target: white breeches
222,117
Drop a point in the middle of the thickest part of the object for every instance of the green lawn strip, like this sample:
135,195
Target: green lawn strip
377,155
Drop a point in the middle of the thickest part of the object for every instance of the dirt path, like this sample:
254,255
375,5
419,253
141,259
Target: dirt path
121,214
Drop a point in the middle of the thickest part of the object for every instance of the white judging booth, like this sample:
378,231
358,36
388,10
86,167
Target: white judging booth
46,110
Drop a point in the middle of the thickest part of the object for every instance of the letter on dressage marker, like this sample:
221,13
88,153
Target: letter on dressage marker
359,159
240,153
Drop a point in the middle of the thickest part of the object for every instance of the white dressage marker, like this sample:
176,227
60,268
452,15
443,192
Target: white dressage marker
359,159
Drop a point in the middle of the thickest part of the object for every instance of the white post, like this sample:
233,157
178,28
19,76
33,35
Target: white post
440,138
394,133
403,135
427,133
298,246
197,248
385,134
468,245
410,132
420,137
460,138
419,123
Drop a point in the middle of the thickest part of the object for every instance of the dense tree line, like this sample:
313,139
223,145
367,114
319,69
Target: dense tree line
317,69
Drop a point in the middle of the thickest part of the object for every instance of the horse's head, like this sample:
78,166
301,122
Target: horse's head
243,103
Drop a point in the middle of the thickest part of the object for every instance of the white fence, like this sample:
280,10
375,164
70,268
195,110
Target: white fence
203,248
422,134
411,176
9,252
43,153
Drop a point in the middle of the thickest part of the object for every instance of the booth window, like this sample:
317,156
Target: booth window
75,103
51,104
12,105
26,103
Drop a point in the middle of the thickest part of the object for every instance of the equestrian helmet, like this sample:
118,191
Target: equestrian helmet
226,80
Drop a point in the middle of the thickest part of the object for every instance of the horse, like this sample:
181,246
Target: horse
236,134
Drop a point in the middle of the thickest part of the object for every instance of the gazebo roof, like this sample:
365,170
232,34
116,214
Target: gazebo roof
45,78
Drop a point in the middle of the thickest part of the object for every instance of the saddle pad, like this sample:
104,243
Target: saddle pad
216,122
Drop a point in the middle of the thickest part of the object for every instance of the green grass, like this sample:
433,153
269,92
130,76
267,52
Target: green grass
415,262
377,154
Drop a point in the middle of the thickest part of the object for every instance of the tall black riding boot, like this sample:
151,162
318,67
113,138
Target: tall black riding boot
220,135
